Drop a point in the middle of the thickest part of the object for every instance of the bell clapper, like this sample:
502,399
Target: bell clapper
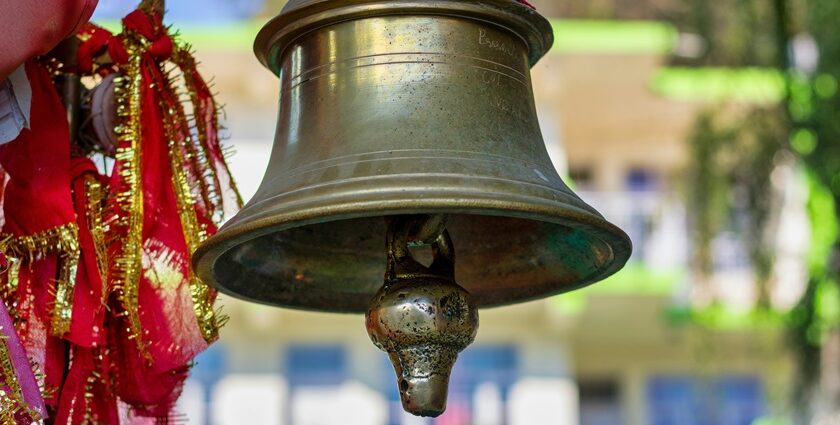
421,317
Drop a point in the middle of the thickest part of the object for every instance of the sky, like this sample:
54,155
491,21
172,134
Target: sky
186,11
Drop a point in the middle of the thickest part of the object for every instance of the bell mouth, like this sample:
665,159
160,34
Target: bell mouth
299,17
332,258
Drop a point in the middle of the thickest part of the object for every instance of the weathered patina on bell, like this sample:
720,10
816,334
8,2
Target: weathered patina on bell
421,317
406,108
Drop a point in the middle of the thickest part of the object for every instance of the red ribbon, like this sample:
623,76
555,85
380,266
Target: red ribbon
87,396
37,198
185,188
91,370
95,43
87,327
152,373
149,27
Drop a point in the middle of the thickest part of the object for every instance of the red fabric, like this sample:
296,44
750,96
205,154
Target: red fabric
99,359
37,196
32,28
151,27
171,336
172,320
90,373
33,299
95,43
150,392
87,326
90,369
206,114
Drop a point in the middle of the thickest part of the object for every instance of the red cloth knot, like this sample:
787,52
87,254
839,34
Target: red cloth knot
149,27
95,40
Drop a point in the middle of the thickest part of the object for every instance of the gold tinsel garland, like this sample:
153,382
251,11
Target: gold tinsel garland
95,195
62,241
127,265
12,402
209,320
194,232
187,151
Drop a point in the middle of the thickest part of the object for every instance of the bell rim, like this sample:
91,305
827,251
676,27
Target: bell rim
526,23
211,250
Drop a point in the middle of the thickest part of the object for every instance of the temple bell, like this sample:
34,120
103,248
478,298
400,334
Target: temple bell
408,148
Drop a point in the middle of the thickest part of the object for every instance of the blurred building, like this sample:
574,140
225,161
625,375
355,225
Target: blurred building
622,352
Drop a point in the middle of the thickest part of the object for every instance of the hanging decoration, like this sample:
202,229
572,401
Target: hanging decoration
21,400
99,284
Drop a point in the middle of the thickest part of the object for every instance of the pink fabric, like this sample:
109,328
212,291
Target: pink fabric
25,377
31,28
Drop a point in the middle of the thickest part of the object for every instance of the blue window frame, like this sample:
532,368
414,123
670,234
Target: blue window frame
210,366
316,365
600,402
728,400
741,400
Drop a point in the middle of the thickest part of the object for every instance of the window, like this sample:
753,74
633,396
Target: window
316,365
729,400
640,179
318,394
600,402
209,368
581,177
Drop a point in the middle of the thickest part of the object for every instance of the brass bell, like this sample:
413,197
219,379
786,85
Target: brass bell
411,118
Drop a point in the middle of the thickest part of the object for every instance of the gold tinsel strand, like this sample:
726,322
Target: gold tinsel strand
62,241
12,403
184,151
186,62
57,240
95,195
62,312
11,286
127,266
193,232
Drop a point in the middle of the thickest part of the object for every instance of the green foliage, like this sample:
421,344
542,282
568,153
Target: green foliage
767,420
804,141
635,279
720,84
734,155
708,191
622,37
824,222
721,317
809,122
735,31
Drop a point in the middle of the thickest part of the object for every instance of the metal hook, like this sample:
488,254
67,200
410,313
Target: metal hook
405,231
